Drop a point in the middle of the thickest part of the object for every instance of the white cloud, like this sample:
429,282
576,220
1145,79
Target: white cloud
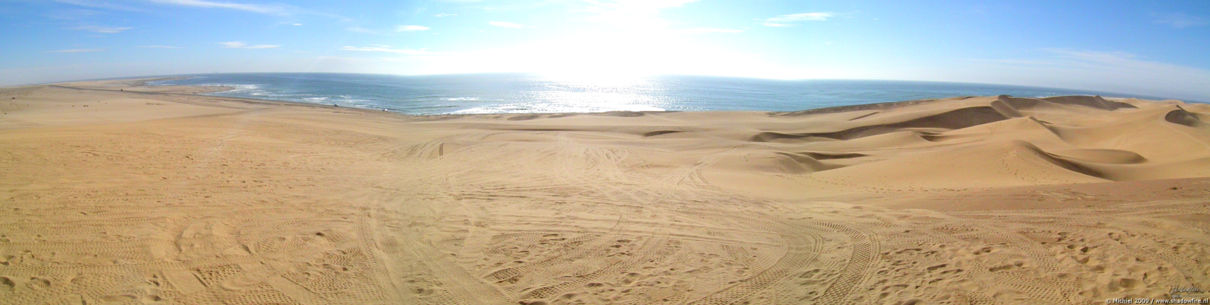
443,15
387,49
1181,20
411,28
76,50
242,45
159,46
102,29
296,24
788,20
255,8
505,24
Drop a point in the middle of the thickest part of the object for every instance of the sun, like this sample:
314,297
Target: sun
600,57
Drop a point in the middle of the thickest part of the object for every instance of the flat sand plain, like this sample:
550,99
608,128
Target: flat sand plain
115,193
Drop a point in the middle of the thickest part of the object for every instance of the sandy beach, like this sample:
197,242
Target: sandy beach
116,193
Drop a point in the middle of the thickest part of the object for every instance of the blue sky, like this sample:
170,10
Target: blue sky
1145,47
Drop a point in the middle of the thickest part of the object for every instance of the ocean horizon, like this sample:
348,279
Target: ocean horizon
528,93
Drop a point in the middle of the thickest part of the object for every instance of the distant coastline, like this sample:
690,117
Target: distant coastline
523,93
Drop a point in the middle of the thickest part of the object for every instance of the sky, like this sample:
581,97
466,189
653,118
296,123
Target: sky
1156,48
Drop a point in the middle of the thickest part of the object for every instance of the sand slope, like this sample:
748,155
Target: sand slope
155,196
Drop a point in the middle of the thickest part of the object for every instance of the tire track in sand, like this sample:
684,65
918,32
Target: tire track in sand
865,247
803,248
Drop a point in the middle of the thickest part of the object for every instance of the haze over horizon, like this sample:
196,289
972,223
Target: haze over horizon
1140,48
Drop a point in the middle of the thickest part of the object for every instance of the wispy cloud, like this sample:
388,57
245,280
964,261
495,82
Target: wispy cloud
1181,20
1093,56
101,5
411,28
387,49
443,15
159,46
255,8
76,51
505,24
102,29
791,19
1112,71
239,5
242,45
633,14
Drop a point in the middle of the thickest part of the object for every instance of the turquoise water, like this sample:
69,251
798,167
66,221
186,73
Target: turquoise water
522,93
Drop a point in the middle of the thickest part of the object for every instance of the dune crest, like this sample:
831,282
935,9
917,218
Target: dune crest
1183,117
1001,130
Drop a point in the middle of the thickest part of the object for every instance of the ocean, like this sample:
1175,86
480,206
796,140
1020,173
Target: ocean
524,93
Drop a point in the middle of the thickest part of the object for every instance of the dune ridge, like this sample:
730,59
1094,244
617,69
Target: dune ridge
1009,126
117,193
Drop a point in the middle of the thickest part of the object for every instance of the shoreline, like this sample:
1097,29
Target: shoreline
202,90
1088,91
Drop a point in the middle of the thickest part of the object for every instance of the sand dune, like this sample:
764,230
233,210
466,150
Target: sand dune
117,193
